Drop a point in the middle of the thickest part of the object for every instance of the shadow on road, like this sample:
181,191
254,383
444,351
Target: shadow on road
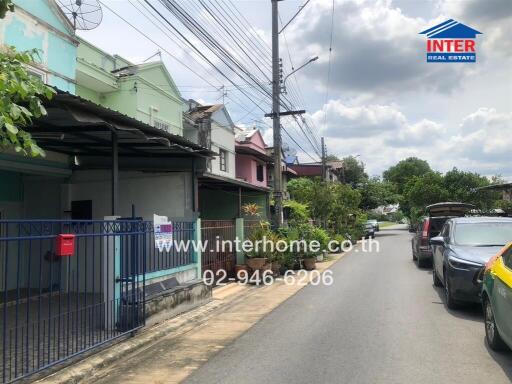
504,359
472,312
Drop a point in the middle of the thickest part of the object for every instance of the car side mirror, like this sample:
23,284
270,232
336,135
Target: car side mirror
438,240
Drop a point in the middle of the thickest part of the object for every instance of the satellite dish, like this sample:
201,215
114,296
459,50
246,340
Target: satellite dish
83,14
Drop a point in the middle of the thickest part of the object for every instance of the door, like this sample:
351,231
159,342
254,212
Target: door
128,270
502,295
438,251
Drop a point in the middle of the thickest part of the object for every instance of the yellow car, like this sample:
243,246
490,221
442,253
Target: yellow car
497,299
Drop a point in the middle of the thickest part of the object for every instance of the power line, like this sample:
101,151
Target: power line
329,65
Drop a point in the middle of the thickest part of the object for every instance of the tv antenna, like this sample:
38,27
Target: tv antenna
83,14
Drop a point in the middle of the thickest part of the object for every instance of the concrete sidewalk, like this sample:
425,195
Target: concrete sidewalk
169,352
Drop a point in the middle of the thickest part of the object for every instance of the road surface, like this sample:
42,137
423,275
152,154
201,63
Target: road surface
381,321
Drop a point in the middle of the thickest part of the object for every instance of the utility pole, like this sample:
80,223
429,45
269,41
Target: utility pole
276,119
276,113
324,165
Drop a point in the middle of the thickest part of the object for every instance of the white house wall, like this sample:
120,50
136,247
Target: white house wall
168,194
223,138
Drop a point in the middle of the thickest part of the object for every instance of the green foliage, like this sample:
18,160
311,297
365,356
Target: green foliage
6,6
20,101
461,186
375,193
257,234
299,213
353,171
405,170
333,205
345,207
396,217
321,235
455,185
322,201
301,189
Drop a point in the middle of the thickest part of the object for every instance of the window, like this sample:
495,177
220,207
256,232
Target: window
163,126
259,172
483,233
35,72
223,160
81,210
507,258
446,231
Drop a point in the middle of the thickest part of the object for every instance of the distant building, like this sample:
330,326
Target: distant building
226,185
251,157
333,172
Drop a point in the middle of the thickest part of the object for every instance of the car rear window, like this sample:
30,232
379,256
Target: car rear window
436,224
483,234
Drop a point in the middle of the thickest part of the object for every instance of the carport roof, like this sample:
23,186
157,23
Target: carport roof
211,180
76,126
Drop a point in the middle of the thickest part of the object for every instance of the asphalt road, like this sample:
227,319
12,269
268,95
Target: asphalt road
381,321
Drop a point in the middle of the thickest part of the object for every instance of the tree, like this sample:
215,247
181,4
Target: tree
301,189
20,97
375,193
353,171
404,170
462,186
421,191
6,6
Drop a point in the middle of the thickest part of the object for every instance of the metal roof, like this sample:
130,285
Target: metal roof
76,126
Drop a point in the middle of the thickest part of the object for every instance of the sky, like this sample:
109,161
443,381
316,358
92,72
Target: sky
383,101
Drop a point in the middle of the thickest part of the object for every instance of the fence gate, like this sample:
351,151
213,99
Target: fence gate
216,256
57,302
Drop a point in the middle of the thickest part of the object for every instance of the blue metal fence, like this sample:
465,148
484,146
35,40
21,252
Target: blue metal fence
53,307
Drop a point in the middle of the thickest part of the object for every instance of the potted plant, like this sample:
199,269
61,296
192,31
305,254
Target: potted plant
257,257
309,262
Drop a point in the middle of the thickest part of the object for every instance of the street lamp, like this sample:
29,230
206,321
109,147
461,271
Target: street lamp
292,72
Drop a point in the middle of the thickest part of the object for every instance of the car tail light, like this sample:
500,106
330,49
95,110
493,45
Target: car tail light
424,232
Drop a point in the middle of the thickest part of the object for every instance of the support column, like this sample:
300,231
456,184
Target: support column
198,256
239,201
239,227
115,174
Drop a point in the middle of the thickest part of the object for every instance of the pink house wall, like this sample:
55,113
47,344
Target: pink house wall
246,169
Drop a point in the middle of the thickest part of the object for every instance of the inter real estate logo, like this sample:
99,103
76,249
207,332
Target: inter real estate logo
451,42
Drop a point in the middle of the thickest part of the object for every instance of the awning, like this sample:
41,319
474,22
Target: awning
220,182
79,127
243,150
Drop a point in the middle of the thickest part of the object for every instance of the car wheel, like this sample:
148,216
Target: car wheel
413,253
437,280
451,303
422,263
492,335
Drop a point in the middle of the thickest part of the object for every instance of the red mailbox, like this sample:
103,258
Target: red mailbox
65,244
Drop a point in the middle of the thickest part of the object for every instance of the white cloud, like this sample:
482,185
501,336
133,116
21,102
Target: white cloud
383,135
357,121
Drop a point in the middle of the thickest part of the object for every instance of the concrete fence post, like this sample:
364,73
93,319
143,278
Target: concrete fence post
239,226
198,256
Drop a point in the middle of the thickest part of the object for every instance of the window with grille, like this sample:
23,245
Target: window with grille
259,172
223,160
163,126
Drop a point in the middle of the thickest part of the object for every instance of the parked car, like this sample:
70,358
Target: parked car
369,230
497,300
375,224
431,225
463,247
